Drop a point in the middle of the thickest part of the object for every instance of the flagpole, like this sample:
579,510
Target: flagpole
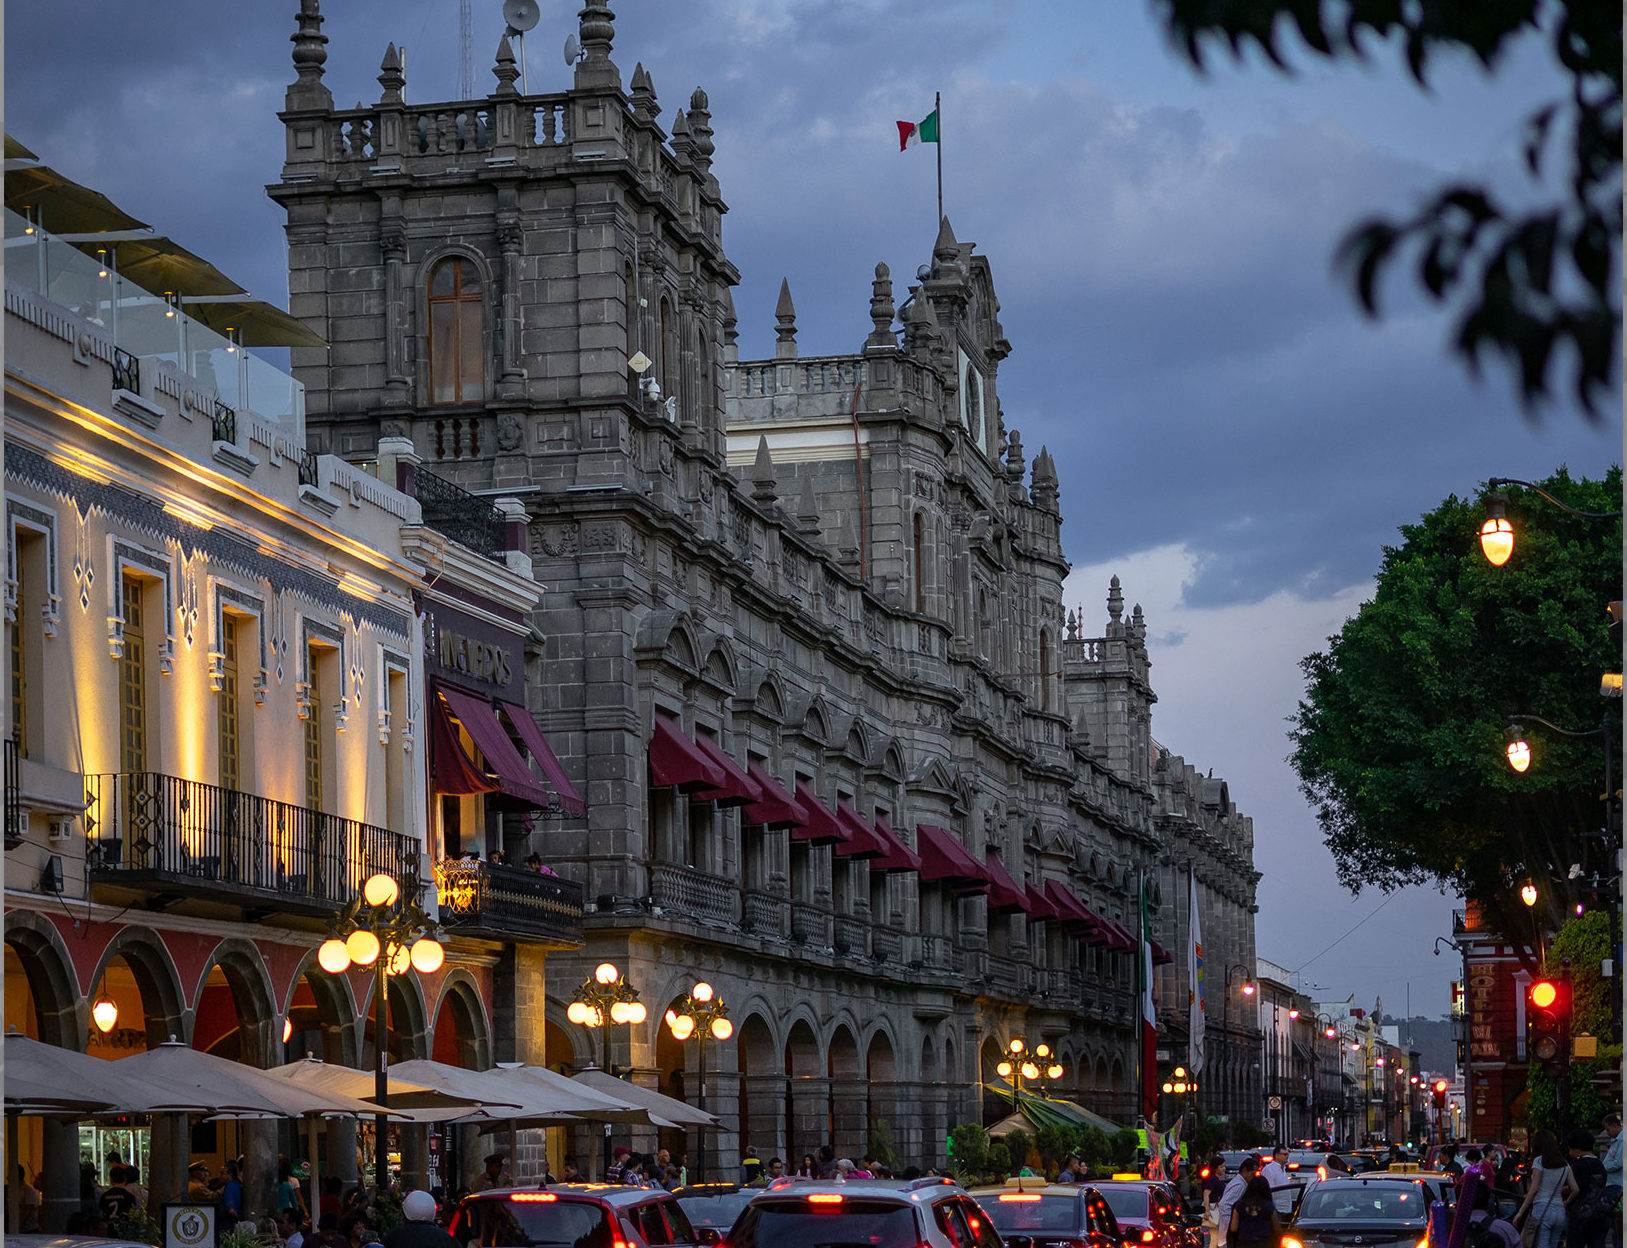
937,107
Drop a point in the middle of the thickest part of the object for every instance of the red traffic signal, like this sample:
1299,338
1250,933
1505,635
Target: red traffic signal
1440,1087
1547,1023
1438,1091
1545,994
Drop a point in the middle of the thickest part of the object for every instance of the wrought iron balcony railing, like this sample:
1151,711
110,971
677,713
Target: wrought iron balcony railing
146,828
466,518
14,807
500,900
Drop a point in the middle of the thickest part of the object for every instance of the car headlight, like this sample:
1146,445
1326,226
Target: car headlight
1288,1241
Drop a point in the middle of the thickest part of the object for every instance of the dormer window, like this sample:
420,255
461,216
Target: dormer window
457,372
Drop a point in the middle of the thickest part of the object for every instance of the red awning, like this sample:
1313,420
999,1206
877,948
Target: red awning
451,770
944,858
776,808
862,841
899,856
676,760
503,758
1100,935
1073,912
1003,891
1037,907
1160,955
537,745
739,789
1123,941
821,826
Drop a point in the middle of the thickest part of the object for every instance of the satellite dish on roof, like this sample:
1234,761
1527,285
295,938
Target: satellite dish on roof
573,49
521,15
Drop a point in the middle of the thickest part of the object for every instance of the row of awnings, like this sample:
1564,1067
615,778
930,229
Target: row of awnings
502,767
698,767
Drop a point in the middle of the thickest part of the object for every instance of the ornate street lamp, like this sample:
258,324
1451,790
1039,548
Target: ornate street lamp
702,1015
1497,534
1039,1066
605,998
384,928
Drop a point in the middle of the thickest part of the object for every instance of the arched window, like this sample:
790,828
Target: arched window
919,540
667,364
974,404
457,372
1044,672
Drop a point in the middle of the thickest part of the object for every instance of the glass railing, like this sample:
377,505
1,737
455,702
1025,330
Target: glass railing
149,327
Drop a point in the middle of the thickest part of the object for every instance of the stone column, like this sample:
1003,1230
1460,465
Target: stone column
849,1106
259,1177
765,1119
810,1104
60,1161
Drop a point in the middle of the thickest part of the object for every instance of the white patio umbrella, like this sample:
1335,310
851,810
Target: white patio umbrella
673,1112
405,1095
580,1101
76,1077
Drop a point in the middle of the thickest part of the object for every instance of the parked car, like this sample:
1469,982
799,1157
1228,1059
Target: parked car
1150,1213
714,1206
877,1213
1050,1215
585,1215
1374,1210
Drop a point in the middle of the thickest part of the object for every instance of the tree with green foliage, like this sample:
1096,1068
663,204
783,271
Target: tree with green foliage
1400,740
970,1147
1055,1141
1019,1144
1536,283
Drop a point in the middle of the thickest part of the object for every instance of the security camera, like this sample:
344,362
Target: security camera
652,390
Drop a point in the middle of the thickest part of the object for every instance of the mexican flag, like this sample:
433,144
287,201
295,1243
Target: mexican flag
912,132
1149,1016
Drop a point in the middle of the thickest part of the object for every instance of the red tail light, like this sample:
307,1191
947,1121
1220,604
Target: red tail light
533,1198
824,1198
1148,1236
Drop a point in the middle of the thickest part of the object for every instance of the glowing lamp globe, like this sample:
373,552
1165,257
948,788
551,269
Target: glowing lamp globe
1293,1014
333,956
427,956
1030,1071
722,1029
1042,1050
381,890
1528,894
1053,1071
1003,1070
636,1013
398,962
1497,539
1248,987
702,992
1180,1072
619,1011
579,1012
1016,1046
606,973
1169,1087
362,946
105,1014
1519,754
1330,1033
287,1030
682,1027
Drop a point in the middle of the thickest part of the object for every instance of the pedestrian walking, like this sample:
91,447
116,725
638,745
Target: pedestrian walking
1254,1222
1611,1159
493,1176
1213,1187
419,1229
1239,1182
1547,1188
1587,1214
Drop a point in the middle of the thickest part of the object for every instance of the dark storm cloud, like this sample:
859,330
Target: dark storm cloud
1181,345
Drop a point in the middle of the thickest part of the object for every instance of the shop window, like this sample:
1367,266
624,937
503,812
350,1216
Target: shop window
457,371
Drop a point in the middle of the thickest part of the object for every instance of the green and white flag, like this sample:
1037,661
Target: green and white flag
912,132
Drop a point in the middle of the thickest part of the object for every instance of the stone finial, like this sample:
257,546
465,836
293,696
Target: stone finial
1073,626
310,54
507,69
808,509
731,329
1138,626
596,28
1115,601
847,542
391,77
785,324
764,487
881,309
1014,458
683,144
644,103
1044,480
700,126
946,249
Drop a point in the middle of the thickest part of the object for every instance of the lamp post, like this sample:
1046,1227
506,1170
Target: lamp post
384,928
1039,1066
606,997
703,1015
1185,1086
1226,1106
1497,534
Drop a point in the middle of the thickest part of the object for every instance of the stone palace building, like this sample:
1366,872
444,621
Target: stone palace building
802,644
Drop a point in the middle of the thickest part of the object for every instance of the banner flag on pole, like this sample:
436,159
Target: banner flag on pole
1194,978
1149,1017
912,132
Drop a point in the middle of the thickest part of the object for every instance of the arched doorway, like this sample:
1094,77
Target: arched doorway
42,1001
803,1109
881,1087
461,1035
993,1106
558,1050
756,1121
932,1104
672,1060
845,1108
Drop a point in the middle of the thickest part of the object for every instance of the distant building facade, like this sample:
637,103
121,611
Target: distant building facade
801,647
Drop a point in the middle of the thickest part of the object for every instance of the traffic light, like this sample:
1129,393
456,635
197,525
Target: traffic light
1547,1024
1439,1091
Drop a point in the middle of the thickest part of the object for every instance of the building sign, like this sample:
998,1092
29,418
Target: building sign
473,653
190,1226
1484,1043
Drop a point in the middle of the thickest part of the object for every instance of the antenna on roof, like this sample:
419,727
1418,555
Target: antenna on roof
573,49
521,16
466,55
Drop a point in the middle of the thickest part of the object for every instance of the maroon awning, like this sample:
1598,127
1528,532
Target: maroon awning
1073,912
1160,955
1037,907
821,827
777,808
503,758
944,859
862,841
899,856
451,770
1004,895
1123,941
677,761
1100,934
537,745
739,790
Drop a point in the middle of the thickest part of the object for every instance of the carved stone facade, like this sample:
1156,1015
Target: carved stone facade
868,602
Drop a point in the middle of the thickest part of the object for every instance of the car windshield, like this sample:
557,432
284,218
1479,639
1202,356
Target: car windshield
1126,1202
847,1223
718,1211
1022,1213
535,1224
1386,1202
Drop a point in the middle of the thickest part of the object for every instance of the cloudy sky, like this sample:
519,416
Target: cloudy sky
1234,440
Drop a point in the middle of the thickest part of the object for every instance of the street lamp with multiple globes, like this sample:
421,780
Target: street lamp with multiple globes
702,1015
384,928
1039,1066
604,998
1226,1031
